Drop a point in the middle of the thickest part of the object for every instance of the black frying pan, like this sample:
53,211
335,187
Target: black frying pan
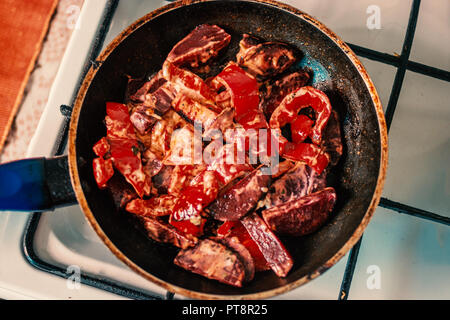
141,49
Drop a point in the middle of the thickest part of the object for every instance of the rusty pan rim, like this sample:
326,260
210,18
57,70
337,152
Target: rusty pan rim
76,183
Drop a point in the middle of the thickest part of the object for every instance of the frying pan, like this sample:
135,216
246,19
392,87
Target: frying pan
42,184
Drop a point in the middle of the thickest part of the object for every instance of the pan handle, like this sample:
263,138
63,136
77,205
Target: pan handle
36,184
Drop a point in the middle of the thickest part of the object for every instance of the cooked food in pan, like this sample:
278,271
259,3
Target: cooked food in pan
224,165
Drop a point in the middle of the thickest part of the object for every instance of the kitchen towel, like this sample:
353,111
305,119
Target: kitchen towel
23,26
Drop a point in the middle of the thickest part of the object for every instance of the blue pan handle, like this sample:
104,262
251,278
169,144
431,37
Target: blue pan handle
36,184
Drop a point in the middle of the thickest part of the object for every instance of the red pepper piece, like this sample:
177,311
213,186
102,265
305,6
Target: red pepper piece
287,111
103,171
236,229
186,215
101,147
127,159
253,119
187,82
309,153
243,90
118,123
276,255
225,229
272,137
192,226
301,128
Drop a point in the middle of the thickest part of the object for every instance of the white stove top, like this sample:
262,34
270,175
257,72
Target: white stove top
410,256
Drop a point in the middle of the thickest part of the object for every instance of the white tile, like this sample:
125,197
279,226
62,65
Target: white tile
348,19
411,255
431,44
419,145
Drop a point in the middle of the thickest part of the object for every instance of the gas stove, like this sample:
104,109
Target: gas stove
404,252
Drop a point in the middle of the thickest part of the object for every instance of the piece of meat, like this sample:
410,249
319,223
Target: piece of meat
121,191
194,111
221,123
294,184
154,207
243,254
188,83
182,148
236,229
161,231
229,160
264,59
152,164
273,93
241,198
246,44
137,89
142,119
156,104
282,168
161,181
332,140
273,250
223,98
182,175
199,46
161,133
161,99
214,261
301,216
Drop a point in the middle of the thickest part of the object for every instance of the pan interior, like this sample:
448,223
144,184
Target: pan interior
143,52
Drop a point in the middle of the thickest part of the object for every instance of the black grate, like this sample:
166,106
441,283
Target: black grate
401,62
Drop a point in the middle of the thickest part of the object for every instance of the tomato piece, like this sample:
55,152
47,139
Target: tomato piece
126,157
287,111
103,171
309,153
301,128
101,147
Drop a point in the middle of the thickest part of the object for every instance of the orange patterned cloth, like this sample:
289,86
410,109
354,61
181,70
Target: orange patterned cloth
23,26
63,23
